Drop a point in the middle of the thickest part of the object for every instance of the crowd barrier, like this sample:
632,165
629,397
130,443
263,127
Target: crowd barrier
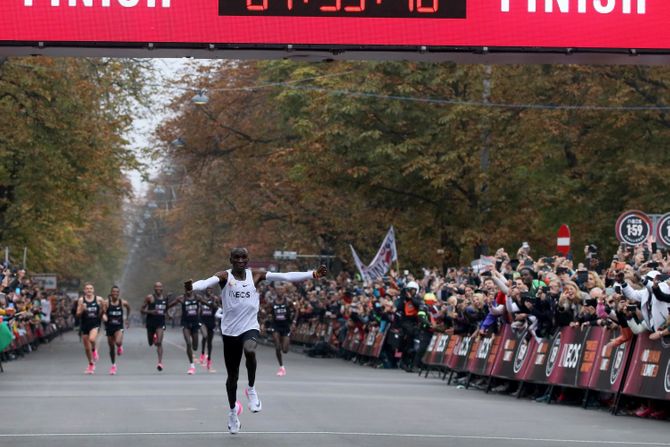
27,337
580,358
367,343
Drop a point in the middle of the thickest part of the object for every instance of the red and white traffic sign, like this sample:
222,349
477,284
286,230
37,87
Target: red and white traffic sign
563,240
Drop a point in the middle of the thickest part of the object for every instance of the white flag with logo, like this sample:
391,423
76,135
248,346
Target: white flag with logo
380,265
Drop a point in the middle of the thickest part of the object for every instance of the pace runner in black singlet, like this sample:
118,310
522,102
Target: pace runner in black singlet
112,315
190,323
282,321
208,307
155,308
89,311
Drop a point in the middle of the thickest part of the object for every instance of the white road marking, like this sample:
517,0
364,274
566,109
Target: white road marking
333,433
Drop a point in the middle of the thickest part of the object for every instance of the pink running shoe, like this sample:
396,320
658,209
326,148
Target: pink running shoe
119,350
209,366
90,369
96,357
112,370
202,359
159,367
191,371
281,372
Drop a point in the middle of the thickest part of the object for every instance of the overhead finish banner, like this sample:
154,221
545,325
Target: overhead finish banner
627,24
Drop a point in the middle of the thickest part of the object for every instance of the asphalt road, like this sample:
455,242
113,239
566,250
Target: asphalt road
48,401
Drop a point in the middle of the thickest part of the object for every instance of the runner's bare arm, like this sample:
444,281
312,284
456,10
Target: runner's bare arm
125,304
145,307
291,276
104,311
203,284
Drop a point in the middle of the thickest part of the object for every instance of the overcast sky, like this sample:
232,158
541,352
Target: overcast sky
141,135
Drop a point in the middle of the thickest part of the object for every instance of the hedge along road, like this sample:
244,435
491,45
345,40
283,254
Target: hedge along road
48,401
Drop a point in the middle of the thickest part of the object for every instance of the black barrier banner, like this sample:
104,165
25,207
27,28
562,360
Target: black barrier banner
535,370
429,355
458,358
332,334
649,371
435,354
513,354
351,339
447,355
372,343
610,363
483,354
572,356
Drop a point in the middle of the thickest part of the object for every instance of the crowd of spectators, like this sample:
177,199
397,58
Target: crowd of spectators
30,315
535,294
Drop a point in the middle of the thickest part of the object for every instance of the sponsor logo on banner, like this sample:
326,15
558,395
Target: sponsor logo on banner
540,353
570,355
371,338
484,347
521,353
432,343
442,343
463,347
553,354
617,363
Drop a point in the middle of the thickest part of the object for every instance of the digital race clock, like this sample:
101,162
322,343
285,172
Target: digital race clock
432,9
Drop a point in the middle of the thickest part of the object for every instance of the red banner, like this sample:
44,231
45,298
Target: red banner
649,371
638,24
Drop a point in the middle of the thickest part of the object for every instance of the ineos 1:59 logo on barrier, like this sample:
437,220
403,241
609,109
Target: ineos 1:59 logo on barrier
521,352
633,227
617,362
553,354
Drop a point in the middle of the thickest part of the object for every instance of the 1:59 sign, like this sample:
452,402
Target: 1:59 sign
633,227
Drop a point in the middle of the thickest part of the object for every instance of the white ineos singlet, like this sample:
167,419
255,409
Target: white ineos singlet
240,301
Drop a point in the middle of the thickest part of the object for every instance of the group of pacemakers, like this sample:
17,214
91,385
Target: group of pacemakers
236,308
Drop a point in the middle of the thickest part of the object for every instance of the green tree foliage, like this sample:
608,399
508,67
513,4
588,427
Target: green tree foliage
61,160
454,156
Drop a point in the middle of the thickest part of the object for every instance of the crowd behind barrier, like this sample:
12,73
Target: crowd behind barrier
549,328
29,315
